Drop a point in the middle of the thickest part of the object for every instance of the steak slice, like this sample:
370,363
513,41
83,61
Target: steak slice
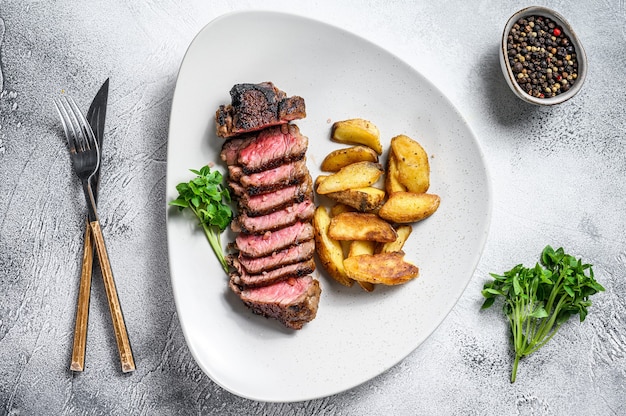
294,254
272,147
301,211
259,245
256,106
293,302
277,178
246,280
265,204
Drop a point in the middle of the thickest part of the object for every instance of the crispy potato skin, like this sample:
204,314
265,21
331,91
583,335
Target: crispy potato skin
412,164
382,268
356,175
366,199
360,226
403,231
340,158
357,131
329,251
407,207
392,177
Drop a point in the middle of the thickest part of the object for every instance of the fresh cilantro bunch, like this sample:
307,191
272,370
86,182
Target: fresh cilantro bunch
538,300
209,200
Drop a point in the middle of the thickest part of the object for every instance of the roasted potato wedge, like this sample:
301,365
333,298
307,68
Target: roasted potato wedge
339,158
339,208
412,164
319,180
362,247
329,251
357,131
356,175
403,231
382,268
366,199
407,207
392,177
359,247
361,226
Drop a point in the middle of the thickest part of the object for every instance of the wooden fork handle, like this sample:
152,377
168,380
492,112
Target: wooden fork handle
82,306
121,336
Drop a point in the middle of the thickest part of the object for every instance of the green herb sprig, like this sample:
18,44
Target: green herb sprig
209,200
538,300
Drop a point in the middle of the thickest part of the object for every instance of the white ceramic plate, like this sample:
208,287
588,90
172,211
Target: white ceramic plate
356,335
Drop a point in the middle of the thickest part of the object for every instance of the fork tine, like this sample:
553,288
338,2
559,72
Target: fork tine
74,112
88,135
66,123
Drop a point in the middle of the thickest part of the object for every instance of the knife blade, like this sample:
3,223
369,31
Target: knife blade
95,116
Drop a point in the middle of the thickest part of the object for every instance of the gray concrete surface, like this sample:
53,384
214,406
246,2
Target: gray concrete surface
558,177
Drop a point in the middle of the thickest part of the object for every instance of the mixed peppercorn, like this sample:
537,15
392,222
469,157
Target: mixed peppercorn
542,57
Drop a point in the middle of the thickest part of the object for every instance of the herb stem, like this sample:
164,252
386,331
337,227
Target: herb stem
216,245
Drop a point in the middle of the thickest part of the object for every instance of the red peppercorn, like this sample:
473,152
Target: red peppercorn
556,31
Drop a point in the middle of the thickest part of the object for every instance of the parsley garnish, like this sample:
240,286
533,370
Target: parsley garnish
208,198
538,300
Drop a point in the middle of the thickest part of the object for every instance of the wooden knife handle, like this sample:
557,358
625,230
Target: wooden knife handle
82,306
121,336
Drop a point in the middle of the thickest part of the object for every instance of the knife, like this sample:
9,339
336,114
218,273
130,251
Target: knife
95,116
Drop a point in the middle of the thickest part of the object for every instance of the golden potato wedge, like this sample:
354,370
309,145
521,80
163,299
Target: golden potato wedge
392,176
357,131
356,175
403,231
407,207
329,251
382,268
319,180
339,208
359,247
412,162
360,226
363,199
362,247
339,158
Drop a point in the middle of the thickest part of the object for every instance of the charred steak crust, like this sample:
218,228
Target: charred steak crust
259,245
256,106
293,302
246,280
278,219
293,254
257,205
271,180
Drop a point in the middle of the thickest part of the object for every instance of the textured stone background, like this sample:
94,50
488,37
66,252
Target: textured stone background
558,178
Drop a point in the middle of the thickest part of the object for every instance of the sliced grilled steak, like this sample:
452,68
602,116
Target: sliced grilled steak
245,280
271,147
293,301
273,179
264,204
256,106
259,245
294,254
302,211
231,147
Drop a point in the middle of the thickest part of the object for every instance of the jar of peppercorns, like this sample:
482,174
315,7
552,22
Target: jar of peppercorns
541,57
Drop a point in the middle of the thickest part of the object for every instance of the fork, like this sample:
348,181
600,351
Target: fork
84,153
